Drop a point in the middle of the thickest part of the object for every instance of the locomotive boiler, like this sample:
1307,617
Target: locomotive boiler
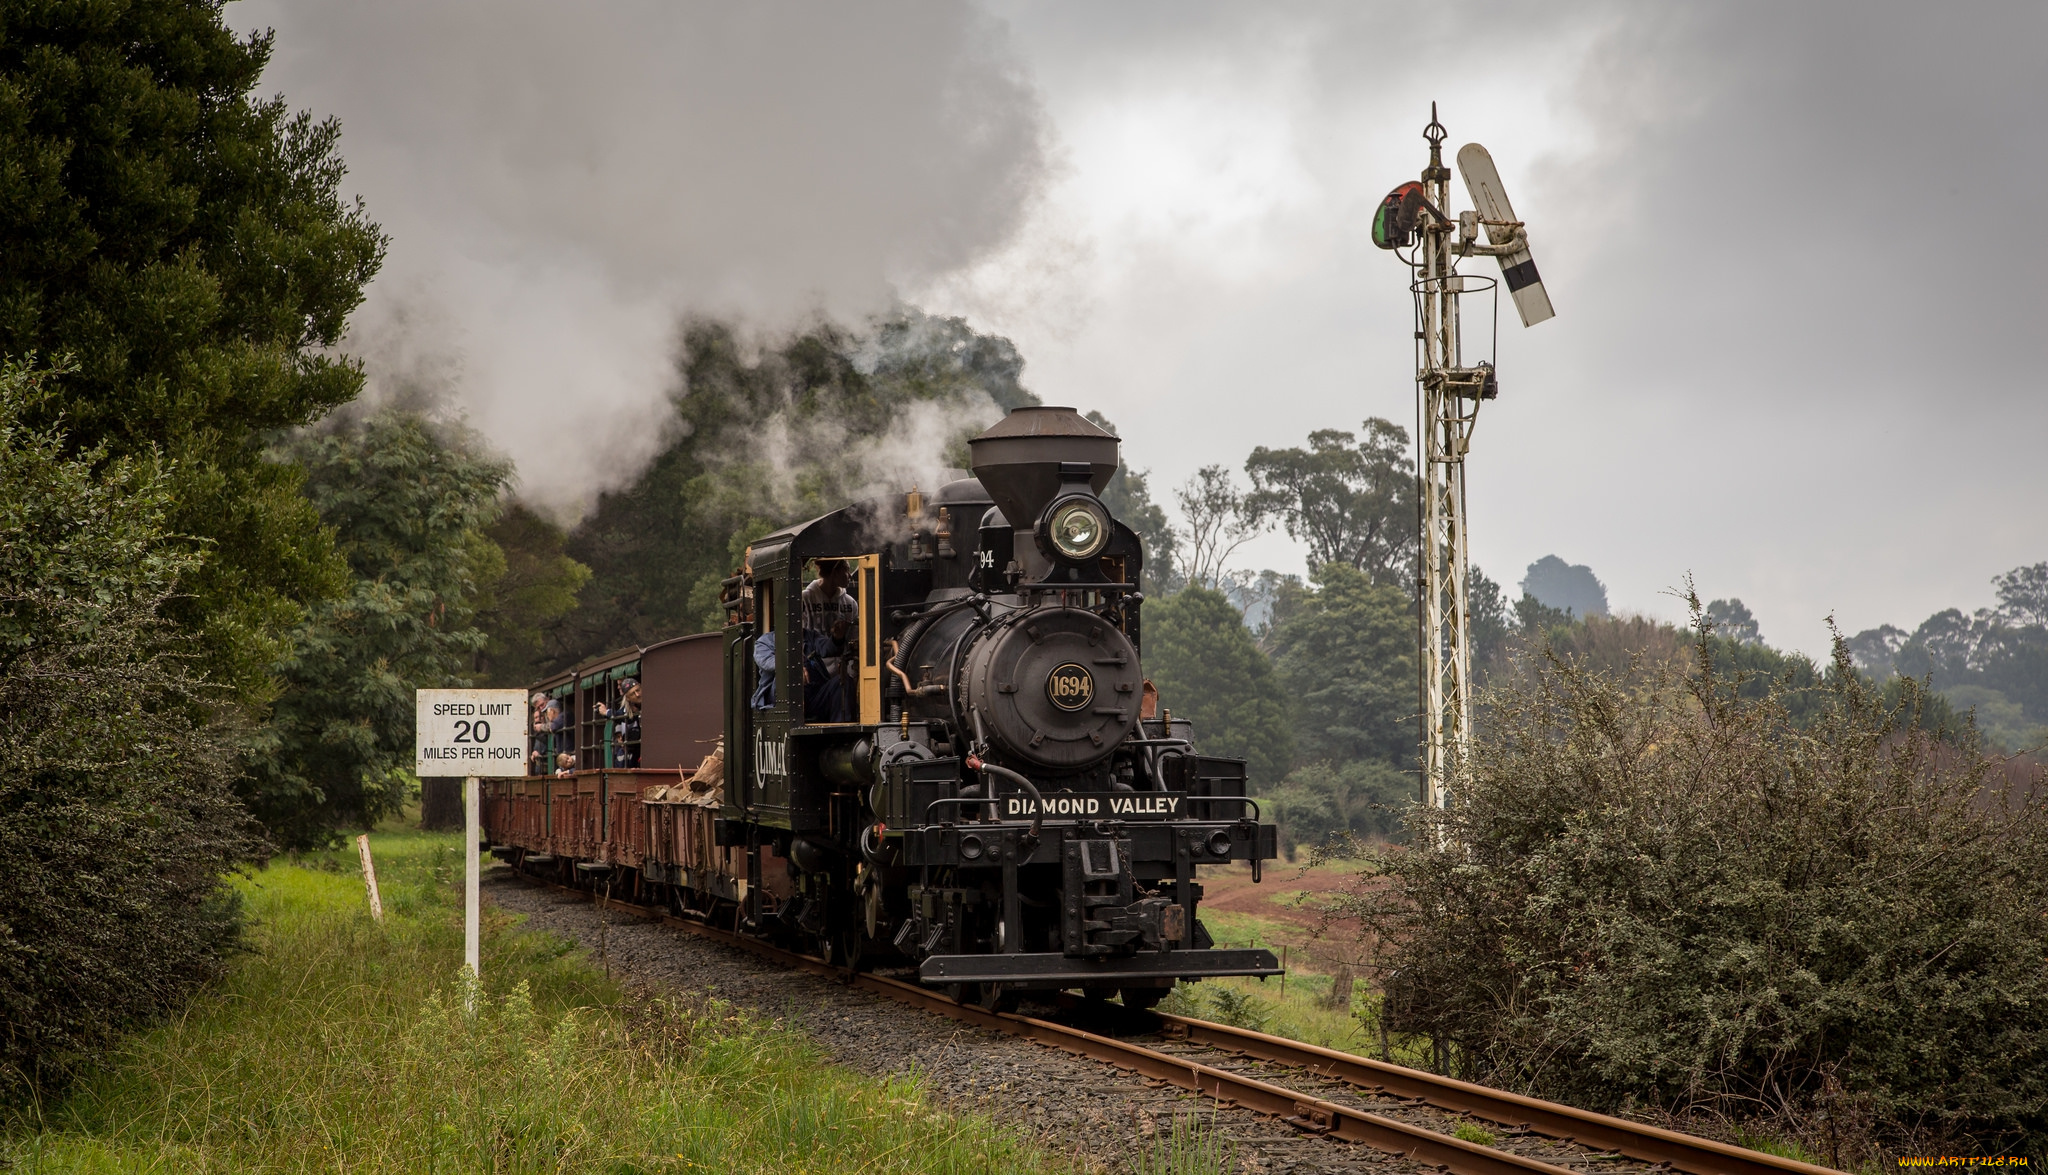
958,765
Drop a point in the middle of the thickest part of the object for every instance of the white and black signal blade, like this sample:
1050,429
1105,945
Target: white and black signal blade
1517,269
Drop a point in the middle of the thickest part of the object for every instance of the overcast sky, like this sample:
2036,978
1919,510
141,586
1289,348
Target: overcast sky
1794,249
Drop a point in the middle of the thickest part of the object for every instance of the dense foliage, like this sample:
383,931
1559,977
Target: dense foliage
1210,672
1323,803
408,502
519,611
188,247
1321,700
116,822
1660,890
1751,669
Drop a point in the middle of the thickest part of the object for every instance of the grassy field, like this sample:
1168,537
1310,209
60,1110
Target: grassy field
1283,915
1300,1008
341,1044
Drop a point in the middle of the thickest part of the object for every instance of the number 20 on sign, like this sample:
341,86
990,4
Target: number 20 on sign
470,732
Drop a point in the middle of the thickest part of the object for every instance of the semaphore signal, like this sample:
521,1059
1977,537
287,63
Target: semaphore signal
1452,379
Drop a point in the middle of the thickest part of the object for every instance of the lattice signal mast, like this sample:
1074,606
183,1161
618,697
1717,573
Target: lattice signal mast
1452,380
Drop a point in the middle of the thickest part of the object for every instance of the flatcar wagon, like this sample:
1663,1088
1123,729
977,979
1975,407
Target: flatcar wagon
923,739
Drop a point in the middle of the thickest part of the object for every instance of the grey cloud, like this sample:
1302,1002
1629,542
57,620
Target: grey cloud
1790,248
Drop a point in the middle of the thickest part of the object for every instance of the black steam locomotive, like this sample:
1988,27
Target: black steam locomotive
971,778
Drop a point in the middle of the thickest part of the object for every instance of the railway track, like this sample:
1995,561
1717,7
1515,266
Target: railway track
1401,1107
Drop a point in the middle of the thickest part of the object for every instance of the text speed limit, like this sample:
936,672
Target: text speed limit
470,732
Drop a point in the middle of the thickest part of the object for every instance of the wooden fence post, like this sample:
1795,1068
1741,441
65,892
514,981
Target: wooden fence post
370,877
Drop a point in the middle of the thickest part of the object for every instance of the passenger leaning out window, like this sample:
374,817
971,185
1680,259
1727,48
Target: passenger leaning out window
625,719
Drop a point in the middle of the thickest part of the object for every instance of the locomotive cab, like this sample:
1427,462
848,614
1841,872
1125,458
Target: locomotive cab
1001,812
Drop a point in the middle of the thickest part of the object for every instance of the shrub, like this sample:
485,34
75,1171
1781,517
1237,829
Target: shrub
1658,890
116,823
1239,1009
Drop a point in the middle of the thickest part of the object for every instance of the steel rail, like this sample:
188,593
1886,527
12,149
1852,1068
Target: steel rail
1652,1144
1307,1113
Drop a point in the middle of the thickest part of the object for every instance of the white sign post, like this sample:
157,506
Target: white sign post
471,733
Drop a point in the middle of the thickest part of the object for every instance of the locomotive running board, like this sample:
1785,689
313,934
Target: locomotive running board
1190,964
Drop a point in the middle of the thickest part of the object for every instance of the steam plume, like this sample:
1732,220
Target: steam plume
562,182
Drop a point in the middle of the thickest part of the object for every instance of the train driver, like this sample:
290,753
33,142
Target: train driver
831,616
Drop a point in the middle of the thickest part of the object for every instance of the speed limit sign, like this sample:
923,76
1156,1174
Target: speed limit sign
470,732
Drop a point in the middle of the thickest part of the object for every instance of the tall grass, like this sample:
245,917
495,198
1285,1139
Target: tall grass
1189,1146
342,1044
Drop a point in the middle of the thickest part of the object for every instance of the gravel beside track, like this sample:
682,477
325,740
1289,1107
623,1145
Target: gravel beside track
1094,1113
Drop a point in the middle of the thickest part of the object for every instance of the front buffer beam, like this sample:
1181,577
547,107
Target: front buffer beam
1039,967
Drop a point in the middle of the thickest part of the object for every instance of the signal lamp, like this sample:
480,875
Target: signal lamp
1399,215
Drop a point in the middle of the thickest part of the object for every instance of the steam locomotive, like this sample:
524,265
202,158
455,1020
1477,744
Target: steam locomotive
992,794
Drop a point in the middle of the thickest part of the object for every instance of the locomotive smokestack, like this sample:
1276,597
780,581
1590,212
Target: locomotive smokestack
1020,459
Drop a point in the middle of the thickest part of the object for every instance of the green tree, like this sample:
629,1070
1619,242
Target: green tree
189,248
1491,622
1536,619
1351,500
408,503
117,821
1210,671
1732,620
522,610
1345,653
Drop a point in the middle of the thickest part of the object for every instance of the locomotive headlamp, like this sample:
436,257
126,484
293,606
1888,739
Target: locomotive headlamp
1219,843
1078,528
